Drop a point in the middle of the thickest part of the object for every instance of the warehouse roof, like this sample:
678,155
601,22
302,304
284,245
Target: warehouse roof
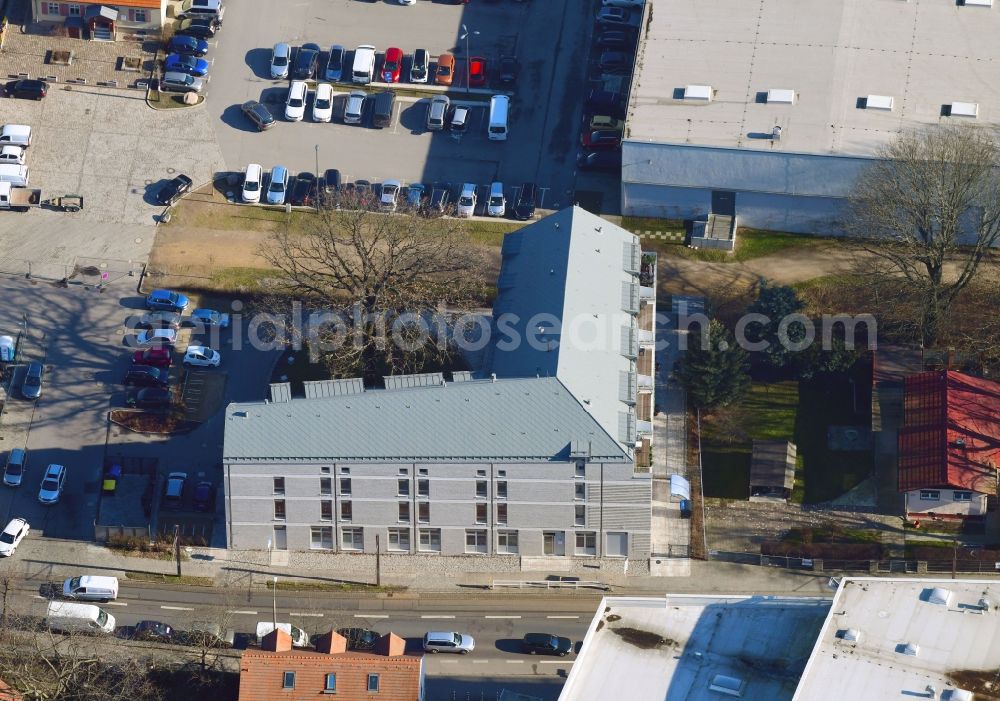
512,419
837,77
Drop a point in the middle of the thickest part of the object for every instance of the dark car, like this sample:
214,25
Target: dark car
509,69
329,185
600,160
153,357
303,190
153,630
173,190
27,89
364,192
615,62
601,138
200,27
545,644
149,398
259,114
416,196
187,46
440,199
204,496
614,39
146,376
524,207
605,102
306,62
359,638
335,63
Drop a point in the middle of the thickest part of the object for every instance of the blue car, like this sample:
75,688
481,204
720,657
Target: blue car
187,46
197,67
166,300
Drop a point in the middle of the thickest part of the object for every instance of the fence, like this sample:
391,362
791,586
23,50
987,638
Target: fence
567,583
945,565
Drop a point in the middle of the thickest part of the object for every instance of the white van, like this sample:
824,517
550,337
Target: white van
499,105
252,182
298,636
14,174
16,135
91,588
66,617
364,64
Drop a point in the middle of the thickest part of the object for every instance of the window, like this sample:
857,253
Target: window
404,471
345,486
331,682
429,540
475,541
279,485
424,512
52,8
480,513
288,680
346,511
502,490
403,488
352,539
507,542
581,490
961,496
325,486
141,15
399,539
480,473
423,488
501,473
580,517
586,544
325,469
404,512
581,469
74,10
372,683
345,470
501,514
481,489
279,509
321,538
422,471
326,510
930,494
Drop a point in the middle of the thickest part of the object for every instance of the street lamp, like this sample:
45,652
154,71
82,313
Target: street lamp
468,67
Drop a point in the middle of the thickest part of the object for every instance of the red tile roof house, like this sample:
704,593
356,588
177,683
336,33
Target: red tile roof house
84,19
949,445
278,672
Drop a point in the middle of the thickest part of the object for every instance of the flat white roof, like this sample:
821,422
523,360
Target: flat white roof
676,647
954,640
927,54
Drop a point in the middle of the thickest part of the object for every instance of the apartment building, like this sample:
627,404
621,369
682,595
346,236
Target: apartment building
544,452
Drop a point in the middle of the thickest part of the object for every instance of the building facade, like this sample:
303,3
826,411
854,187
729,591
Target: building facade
96,20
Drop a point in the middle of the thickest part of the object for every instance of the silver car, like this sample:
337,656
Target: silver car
435,642
175,81
280,58
31,387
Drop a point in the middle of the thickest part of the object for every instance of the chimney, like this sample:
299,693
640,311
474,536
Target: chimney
331,643
276,641
390,645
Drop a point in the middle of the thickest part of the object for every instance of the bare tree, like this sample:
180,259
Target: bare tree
929,207
387,275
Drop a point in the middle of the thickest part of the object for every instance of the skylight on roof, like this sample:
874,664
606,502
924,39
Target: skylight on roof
879,102
939,596
698,92
782,96
965,109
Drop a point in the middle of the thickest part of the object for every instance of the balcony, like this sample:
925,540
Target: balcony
644,429
644,407
646,317
644,364
645,382
643,456
647,269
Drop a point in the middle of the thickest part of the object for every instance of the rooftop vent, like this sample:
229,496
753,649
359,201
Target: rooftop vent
979,3
731,686
782,96
956,694
939,596
851,635
964,109
702,93
986,605
908,649
879,102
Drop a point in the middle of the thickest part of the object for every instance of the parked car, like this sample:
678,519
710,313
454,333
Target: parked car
259,114
201,27
173,490
306,62
175,81
419,68
27,89
509,69
329,185
445,71
440,199
323,103
201,8
605,123
31,386
202,356
204,497
12,536
153,630
390,191
467,200
600,160
166,300
614,39
614,16
600,139
13,471
335,63
252,182
173,190
303,192
112,474
52,485
14,155
278,185
187,45
192,65
546,644
295,103
605,102
477,72
458,123
392,65
615,62
209,318
416,196
154,398
360,639
146,376
498,203
281,55
354,110
524,206
153,357
435,642
159,319
635,4
156,337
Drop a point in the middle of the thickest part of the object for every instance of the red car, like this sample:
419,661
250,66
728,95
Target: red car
477,72
601,138
391,65
155,357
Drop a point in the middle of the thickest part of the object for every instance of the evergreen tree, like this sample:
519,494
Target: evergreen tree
717,375
776,303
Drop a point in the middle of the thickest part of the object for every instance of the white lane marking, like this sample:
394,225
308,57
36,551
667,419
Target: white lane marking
38,596
448,662
501,616
312,615
480,662
562,616
371,615
177,608
555,662
114,603
514,661
437,616
243,613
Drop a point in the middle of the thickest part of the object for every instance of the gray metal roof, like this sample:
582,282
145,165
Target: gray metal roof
513,419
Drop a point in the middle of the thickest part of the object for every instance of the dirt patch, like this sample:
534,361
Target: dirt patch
643,639
145,422
982,683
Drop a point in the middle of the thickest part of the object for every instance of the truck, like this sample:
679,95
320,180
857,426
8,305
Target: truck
19,199
15,135
14,174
